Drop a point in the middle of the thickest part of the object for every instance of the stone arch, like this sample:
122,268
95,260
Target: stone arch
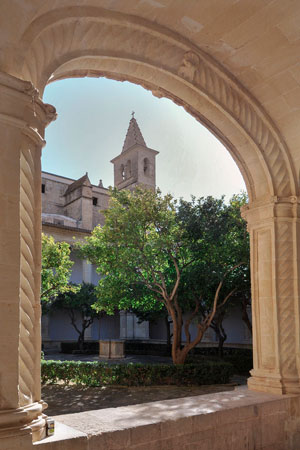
105,44
90,41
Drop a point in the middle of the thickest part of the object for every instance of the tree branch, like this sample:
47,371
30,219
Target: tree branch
188,322
174,290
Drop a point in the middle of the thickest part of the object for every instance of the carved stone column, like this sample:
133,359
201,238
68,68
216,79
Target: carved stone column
23,118
275,243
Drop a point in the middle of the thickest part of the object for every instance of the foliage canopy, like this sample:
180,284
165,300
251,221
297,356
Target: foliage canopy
155,252
56,268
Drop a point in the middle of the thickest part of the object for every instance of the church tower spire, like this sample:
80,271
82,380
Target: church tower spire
135,166
133,135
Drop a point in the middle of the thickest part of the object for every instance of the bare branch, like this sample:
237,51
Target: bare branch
227,297
73,322
159,292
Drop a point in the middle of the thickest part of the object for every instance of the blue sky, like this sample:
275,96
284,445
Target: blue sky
93,117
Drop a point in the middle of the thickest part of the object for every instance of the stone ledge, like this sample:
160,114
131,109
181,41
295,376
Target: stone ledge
229,420
65,437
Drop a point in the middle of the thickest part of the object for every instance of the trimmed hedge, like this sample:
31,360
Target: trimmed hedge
241,359
101,374
242,363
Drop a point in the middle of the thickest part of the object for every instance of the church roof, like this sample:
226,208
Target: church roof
78,183
133,136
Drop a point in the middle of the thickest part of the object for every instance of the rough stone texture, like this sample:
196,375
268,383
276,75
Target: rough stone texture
69,202
111,349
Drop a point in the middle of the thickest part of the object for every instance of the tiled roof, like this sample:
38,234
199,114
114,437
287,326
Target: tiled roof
80,182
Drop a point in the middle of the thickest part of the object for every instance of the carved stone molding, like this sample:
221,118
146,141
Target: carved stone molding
274,233
284,248
23,92
59,37
200,72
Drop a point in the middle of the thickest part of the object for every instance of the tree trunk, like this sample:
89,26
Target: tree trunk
221,339
168,328
176,343
180,357
81,340
217,326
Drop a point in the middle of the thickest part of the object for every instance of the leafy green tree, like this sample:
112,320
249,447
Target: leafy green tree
56,269
216,232
146,244
78,304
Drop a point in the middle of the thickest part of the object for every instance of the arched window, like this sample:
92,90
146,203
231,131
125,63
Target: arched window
146,167
122,171
128,169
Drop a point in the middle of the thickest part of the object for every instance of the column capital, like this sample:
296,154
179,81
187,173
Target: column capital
258,213
21,107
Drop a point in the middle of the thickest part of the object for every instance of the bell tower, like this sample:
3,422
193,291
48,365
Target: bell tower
135,166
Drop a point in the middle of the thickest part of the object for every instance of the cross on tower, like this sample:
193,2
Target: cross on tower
133,113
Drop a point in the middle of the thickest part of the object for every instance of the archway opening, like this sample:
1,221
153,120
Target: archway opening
176,139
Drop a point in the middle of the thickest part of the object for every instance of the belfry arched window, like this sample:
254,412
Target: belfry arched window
128,169
146,167
122,171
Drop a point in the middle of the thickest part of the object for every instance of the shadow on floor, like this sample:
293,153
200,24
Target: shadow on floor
72,399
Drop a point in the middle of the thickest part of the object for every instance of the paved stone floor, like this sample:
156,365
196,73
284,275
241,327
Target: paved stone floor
72,399
145,359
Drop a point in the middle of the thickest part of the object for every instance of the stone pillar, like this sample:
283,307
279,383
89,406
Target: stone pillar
23,118
141,330
130,325
275,244
86,271
131,329
123,325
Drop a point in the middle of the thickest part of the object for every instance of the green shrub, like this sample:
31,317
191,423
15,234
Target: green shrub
242,363
241,359
100,374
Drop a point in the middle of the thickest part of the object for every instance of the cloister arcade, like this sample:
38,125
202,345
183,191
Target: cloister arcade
233,65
